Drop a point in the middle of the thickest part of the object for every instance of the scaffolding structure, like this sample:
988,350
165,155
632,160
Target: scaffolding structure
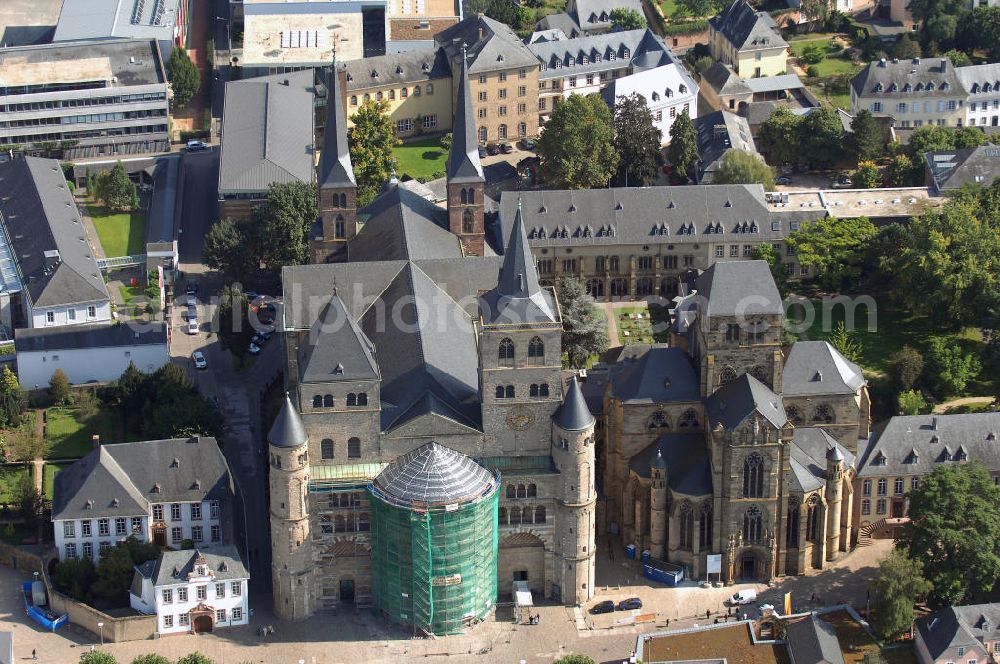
434,540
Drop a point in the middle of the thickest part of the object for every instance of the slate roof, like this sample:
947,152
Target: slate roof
288,429
463,157
911,445
816,367
645,50
97,335
724,80
100,19
173,567
661,375
688,468
734,402
666,80
953,169
268,132
642,215
746,28
40,216
774,83
596,14
956,626
889,79
976,78
498,49
434,475
562,22
809,449
417,66
402,225
136,474
738,288
813,641
573,414
337,348
718,133
335,169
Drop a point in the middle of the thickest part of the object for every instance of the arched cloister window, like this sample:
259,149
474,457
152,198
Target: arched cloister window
328,401
532,491
468,221
511,491
752,525
760,373
726,376
794,415
823,413
813,518
354,448
317,401
792,532
543,390
515,516
352,399
540,514
658,420
521,491
505,353
685,521
536,351
753,476
705,524
528,515
509,392
689,419
502,516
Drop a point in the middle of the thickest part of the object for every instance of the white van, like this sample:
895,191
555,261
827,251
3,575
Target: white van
743,597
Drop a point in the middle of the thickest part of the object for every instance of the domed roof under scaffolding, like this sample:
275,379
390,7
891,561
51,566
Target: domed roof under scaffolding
433,475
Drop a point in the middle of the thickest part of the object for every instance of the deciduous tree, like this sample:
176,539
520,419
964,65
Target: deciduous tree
235,331
184,77
59,387
12,399
116,189
821,137
284,221
899,173
911,402
637,141
371,140
699,8
905,367
682,153
577,148
585,328
906,48
74,576
954,529
866,176
195,658
779,137
97,657
765,252
151,658
866,137
624,18
950,368
896,588
834,247
741,167
228,249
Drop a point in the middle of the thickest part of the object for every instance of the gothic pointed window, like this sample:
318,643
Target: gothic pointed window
536,351
689,420
317,401
753,476
328,401
813,526
658,420
823,413
506,353
794,415
343,200
468,221
686,524
727,376
470,195
705,534
792,533
752,525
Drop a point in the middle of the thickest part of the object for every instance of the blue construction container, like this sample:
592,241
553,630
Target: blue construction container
645,556
630,552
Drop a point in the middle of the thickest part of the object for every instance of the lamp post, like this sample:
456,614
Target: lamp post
229,36
100,626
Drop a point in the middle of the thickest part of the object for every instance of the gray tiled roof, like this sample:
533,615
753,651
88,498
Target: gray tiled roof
953,169
434,474
288,429
661,375
98,335
978,434
813,641
338,350
957,626
596,14
573,414
734,402
40,216
136,474
402,225
642,215
724,80
267,132
816,367
734,288
173,567
975,77
640,44
499,48
746,28
888,79
463,157
562,22
809,449
335,168
688,468
718,133
410,67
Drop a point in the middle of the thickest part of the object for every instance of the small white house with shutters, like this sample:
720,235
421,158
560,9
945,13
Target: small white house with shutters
193,591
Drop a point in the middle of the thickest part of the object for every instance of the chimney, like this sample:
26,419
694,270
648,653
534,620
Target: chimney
934,424
881,62
95,441
944,64
52,259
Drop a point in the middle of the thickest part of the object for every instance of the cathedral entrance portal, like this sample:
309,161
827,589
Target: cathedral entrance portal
347,590
747,567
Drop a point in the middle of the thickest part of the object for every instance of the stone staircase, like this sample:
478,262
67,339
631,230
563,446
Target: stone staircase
865,533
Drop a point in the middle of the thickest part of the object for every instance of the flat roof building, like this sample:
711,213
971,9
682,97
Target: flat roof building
162,20
93,98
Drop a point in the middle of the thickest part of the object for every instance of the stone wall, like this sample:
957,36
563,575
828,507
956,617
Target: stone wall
21,558
115,630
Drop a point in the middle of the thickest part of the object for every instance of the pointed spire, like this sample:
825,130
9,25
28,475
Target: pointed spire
573,414
518,296
463,160
288,429
335,162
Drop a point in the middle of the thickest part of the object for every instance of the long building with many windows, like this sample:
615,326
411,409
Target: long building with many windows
91,98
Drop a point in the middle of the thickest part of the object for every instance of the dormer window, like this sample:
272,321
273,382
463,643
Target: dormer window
682,88
626,53
570,61
374,73
597,57
585,60
920,87
877,88
975,88
945,85
612,55
656,96
893,87
879,460
907,88
399,70
930,86
425,67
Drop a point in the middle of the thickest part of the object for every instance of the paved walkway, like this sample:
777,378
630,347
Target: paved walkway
192,117
88,225
964,401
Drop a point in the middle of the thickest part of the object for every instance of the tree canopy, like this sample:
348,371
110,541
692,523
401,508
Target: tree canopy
897,586
116,189
371,140
834,247
821,137
637,141
183,75
585,328
12,399
766,252
577,149
741,167
779,136
624,18
228,248
235,330
954,530
682,153
866,137
283,223
866,176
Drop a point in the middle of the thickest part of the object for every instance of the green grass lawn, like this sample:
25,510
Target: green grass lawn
421,159
799,46
49,476
836,66
69,436
10,477
120,233
640,330
668,7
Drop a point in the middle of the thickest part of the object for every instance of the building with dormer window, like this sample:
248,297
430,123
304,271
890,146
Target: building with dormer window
748,41
916,93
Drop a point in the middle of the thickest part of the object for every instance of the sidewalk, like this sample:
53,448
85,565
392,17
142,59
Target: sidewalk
192,117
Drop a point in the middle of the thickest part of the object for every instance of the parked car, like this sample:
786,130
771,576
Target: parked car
607,606
842,182
196,146
743,597
192,325
629,604
492,149
506,147
199,360
191,288
529,144
254,349
482,151
784,179
192,300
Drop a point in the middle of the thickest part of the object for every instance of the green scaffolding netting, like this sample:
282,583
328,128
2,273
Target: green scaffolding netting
435,568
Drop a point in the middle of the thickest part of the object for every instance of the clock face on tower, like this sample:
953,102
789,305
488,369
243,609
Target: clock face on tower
520,418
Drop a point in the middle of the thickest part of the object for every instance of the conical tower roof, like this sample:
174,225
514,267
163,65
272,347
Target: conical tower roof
433,475
288,429
335,162
463,160
573,414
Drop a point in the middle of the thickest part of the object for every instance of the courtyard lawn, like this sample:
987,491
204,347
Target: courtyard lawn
639,321
69,435
836,66
668,7
10,478
855,642
49,476
120,233
422,159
